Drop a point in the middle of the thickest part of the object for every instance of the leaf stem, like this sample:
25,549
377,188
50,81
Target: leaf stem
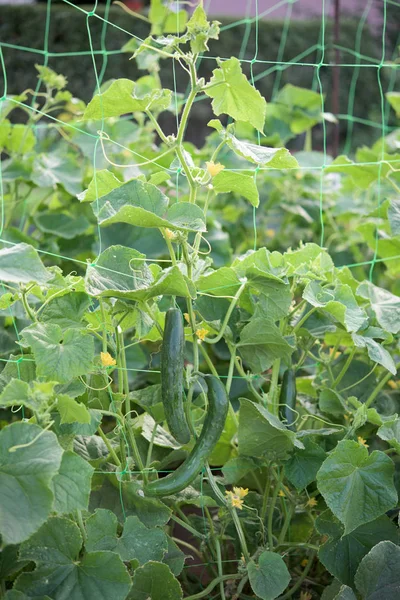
227,316
109,446
212,585
345,368
379,386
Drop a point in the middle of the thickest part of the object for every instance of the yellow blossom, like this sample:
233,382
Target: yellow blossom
392,384
281,493
270,233
201,333
236,497
107,360
304,562
362,441
169,234
214,168
305,596
312,502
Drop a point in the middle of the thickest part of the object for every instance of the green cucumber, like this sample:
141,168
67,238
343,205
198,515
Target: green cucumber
288,398
172,365
213,426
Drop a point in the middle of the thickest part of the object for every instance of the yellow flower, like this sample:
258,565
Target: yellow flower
107,360
312,502
281,493
187,318
169,234
214,168
362,441
201,333
392,384
236,497
304,562
305,596
270,233
241,492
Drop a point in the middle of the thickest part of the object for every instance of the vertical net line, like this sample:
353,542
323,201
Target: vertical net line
282,46
383,124
253,61
324,141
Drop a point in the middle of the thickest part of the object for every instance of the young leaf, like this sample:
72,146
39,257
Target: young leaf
136,542
390,432
124,96
21,264
385,305
102,183
261,434
233,95
303,466
270,577
72,411
240,184
376,352
56,548
144,205
66,311
358,487
29,459
261,343
154,581
378,575
72,484
59,356
121,272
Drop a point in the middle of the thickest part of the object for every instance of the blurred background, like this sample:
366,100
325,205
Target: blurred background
293,41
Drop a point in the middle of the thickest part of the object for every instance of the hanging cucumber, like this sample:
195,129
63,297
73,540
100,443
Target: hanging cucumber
288,398
172,365
213,426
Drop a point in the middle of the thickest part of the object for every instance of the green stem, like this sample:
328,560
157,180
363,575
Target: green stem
272,509
227,316
109,446
286,523
186,168
265,498
234,515
379,386
242,373
157,127
344,369
273,390
124,373
212,585
190,547
232,350
103,318
28,310
149,311
304,319
136,454
188,527
170,248
150,448
81,526
220,569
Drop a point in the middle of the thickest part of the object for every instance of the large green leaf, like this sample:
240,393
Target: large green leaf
121,272
261,343
243,185
125,96
59,355
137,542
35,396
221,282
52,169
378,576
29,459
302,467
261,433
154,581
62,225
233,95
270,577
66,311
385,305
72,484
21,264
63,573
102,183
144,205
358,487
341,554
339,302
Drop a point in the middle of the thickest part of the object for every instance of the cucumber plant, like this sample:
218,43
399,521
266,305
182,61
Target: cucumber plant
176,395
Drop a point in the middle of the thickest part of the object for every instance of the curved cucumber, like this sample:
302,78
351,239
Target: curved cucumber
288,398
172,365
213,426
